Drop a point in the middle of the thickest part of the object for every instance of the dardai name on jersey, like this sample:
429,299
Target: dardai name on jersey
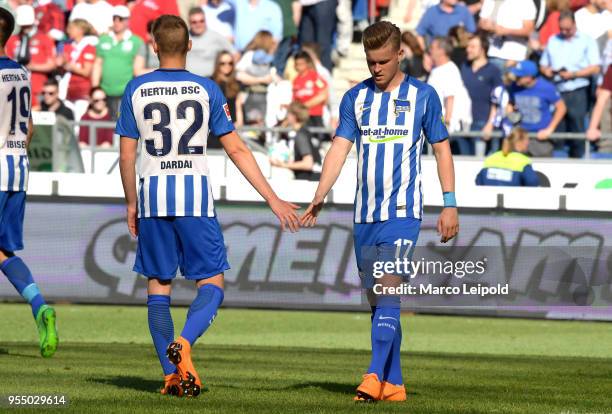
380,135
172,165
170,90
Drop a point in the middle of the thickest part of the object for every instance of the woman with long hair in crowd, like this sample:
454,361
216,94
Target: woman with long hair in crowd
224,75
254,71
510,166
77,61
414,55
97,111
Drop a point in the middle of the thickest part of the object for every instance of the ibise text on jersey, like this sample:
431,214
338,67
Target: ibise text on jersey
170,90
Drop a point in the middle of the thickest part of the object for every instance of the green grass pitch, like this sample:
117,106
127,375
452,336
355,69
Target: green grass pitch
265,361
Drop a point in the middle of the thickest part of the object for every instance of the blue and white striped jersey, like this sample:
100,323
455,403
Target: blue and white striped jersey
15,100
388,129
172,112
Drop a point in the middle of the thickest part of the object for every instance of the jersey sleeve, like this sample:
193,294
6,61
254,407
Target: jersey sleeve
126,123
220,118
89,54
347,126
433,120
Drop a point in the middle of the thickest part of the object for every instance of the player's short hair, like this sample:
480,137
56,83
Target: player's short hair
379,34
444,44
171,35
7,25
300,111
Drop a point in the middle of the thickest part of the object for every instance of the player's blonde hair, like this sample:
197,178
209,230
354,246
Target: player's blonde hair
379,34
171,35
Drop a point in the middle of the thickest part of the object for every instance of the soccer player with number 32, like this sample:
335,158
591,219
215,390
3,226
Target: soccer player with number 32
388,117
169,114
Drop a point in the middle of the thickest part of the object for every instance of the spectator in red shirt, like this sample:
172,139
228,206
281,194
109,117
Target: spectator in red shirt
33,49
145,11
51,19
310,89
97,111
78,61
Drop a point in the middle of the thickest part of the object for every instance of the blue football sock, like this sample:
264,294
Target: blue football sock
161,328
20,277
202,312
393,367
384,328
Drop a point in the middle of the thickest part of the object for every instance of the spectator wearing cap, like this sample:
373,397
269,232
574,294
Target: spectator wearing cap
570,59
439,19
220,17
533,97
33,49
510,23
480,78
51,101
253,16
51,19
98,13
205,44
116,51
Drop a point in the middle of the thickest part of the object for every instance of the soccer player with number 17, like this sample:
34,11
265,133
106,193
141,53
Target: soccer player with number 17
387,117
169,114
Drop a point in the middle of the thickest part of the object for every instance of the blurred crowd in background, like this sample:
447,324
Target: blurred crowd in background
496,64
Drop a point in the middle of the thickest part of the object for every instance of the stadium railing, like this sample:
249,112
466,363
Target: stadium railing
67,156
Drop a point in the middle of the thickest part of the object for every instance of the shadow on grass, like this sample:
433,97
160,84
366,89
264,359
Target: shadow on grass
8,352
133,383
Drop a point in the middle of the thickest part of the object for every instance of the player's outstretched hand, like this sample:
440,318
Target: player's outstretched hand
448,224
286,214
132,221
309,218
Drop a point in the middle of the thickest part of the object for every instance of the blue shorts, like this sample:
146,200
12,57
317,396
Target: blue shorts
193,244
12,212
383,241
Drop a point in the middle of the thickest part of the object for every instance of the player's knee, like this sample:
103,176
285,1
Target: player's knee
5,254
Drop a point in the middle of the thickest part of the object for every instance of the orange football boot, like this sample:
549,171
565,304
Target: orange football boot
172,385
392,392
179,353
370,389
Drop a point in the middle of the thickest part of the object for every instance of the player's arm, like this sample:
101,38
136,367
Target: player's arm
127,166
240,155
437,135
96,74
30,132
332,165
448,223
